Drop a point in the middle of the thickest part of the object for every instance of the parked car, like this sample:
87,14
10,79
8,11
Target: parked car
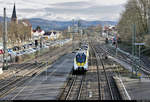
11,52
19,54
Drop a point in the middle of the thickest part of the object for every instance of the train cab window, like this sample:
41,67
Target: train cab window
78,59
81,58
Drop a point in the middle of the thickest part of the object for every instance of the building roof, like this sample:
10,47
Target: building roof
54,33
14,13
48,33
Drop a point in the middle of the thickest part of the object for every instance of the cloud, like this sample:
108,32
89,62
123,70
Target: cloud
72,5
95,12
109,2
65,9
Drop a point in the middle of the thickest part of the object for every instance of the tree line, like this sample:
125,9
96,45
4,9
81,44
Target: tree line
136,15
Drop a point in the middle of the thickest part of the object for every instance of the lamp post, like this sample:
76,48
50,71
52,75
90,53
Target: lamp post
5,54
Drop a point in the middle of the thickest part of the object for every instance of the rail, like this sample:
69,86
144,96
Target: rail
70,88
111,93
80,88
99,88
108,83
143,68
7,88
99,52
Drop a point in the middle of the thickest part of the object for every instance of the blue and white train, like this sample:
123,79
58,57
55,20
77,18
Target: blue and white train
81,60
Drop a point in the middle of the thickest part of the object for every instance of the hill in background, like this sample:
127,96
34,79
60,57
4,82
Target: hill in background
61,25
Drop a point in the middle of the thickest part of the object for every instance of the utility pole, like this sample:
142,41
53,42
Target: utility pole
133,48
41,42
116,45
72,31
5,63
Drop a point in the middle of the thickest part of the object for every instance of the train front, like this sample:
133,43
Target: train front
81,62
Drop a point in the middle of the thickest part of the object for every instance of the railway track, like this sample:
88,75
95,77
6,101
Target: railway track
18,68
73,89
98,73
108,88
26,73
4,90
97,84
128,59
11,79
24,65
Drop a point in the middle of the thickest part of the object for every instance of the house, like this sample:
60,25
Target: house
47,35
52,35
36,34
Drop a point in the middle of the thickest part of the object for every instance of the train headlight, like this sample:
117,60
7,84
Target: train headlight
78,64
82,64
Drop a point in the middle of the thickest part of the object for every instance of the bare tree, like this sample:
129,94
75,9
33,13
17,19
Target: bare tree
136,12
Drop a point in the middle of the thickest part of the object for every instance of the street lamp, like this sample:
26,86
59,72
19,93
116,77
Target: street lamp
5,54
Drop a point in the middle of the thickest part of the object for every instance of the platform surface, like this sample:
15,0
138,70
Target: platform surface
137,89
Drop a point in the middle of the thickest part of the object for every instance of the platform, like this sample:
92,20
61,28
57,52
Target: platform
137,90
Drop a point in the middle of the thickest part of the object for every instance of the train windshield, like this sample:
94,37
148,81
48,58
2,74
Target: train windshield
81,58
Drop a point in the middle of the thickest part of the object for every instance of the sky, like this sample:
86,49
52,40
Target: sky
65,10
